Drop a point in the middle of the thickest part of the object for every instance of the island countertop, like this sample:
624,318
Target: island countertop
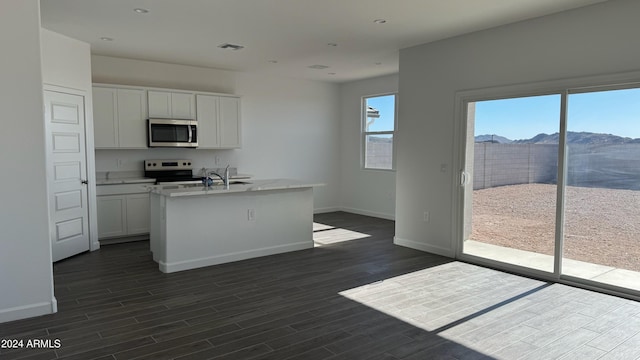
251,185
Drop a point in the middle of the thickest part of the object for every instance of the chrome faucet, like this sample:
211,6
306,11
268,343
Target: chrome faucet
224,178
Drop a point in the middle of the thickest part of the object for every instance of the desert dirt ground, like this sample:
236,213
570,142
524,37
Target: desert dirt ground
602,226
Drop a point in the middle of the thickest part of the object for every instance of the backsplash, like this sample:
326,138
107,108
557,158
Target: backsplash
133,160
113,175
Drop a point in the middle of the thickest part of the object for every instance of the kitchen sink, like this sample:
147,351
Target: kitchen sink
232,182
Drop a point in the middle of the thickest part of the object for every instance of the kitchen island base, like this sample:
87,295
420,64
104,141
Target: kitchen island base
189,232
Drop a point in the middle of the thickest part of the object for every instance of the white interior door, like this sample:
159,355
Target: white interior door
67,174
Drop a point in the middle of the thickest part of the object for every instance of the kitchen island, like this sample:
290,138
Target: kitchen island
194,226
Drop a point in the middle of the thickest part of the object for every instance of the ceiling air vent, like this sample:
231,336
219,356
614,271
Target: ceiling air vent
230,46
318,67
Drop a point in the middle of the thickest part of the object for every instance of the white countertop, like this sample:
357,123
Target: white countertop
125,181
143,180
253,185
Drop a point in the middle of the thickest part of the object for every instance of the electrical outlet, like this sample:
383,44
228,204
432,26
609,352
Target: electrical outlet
427,216
217,159
119,163
251,214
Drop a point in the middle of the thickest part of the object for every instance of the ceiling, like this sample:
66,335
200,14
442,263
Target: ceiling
282,37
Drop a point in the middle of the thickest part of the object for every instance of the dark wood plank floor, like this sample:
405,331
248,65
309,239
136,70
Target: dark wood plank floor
355,296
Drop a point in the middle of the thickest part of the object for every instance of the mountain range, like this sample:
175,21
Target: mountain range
572,138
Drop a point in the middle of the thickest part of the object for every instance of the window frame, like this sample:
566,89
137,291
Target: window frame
364,133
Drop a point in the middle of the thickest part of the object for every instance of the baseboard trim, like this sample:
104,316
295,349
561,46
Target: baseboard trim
124,239
369,213
326,210
27,311
94,246
241,255
423,247
355,211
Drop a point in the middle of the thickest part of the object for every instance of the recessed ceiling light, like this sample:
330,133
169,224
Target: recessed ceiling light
104,38
331,73
378,63
230,46
318,67
332,44
379,21
141,10
273,61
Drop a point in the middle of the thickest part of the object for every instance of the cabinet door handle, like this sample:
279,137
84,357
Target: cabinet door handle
84,182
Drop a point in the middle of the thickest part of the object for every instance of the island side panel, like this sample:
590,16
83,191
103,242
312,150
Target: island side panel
155,223
214,229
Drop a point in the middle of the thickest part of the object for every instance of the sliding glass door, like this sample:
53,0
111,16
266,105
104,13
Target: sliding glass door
514,174
602,196
556,192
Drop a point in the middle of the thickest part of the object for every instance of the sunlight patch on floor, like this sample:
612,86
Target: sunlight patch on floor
326,235
438,296
496,314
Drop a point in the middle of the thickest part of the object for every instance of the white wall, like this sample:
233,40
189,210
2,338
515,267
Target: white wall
112,70
593,40
26,274
290,128
65,61
367,192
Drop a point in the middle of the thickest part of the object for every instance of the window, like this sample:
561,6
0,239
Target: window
378,126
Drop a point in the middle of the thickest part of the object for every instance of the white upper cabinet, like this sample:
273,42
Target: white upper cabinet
207,116
218,122
229,114
172,105
105,118
159,104
132,118
119,117
183,106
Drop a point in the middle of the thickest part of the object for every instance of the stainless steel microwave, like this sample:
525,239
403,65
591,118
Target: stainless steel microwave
172,133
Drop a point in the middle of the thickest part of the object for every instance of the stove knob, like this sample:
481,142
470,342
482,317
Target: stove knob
184,164
189,163
154,164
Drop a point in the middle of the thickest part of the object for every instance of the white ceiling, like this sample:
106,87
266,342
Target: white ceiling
295,33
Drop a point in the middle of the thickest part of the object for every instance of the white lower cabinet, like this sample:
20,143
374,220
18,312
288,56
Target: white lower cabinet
122,215
111,216
137,214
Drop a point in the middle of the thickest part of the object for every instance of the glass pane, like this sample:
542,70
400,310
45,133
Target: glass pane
379,151
602,215
170,133
380,113
182,133
163,133
512,155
